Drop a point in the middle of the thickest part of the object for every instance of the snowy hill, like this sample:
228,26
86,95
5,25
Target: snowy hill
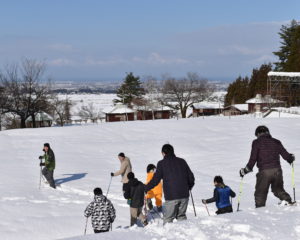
87,154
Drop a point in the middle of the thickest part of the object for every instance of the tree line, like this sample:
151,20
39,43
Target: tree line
288,55
24,92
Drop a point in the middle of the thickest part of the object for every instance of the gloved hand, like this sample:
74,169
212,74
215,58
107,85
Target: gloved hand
42,164
40,157
203,201
112,174
244,171
292,159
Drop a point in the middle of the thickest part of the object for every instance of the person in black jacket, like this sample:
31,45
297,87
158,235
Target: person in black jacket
265,153
178,180
134,192
222,194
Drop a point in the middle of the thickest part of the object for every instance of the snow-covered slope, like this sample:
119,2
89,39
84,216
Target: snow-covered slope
87,154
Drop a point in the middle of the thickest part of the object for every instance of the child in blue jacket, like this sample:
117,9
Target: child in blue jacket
222,194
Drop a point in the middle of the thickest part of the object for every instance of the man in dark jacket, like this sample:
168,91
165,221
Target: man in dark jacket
49,164
178,180
134,192
102,211
266,152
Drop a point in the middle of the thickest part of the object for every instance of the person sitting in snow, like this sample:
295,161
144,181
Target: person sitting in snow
102,211
222,194
49,164
156,192
134,192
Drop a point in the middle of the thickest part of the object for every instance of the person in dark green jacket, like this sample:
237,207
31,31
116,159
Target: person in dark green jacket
49,164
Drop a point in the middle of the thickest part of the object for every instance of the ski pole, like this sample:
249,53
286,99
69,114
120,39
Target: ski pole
240,194
86,222
40,175
108,187
293,181
207,209
193,203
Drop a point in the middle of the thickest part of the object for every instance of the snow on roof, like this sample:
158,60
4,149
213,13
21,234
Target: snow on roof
208,105
39,117
259,99
118,109
284,74
241,107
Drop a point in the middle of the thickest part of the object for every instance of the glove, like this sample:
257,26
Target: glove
203,201
112,174
292,159
42,164
40,157
244,171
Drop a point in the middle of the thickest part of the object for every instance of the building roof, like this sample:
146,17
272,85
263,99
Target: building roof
284,74
208,105
259,99
40,116
117,109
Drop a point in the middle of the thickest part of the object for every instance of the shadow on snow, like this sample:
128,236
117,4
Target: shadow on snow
71,177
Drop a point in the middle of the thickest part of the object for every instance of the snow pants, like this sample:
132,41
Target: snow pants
49,176
224,210
135,214
266,178
175,209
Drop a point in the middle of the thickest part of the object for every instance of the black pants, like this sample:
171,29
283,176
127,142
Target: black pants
100,231
49,176
224,210
266,178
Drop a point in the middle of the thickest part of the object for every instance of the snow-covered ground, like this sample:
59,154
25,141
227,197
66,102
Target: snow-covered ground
87,154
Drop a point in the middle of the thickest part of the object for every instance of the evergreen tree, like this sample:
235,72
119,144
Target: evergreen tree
258,80
237,91
289,52
130,90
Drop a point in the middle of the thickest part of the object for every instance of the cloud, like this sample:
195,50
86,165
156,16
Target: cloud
61,47
60,62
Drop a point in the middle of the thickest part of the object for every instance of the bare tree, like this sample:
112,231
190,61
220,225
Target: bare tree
61,109
3,104
27,92
90,112
181,93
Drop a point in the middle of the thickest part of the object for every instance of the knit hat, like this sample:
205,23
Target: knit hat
47,145
121,155
98,191
218,179
261,130
130,175
150,167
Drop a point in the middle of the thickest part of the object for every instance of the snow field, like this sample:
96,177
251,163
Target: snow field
87,154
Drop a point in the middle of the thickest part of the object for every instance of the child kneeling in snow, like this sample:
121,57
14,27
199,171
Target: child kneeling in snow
222,194
102,211
156,192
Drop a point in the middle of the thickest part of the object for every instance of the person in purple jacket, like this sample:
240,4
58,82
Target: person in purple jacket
265,153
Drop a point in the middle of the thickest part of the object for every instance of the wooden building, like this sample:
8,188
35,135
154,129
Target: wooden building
155,113
261,104
207,109
42,119
236,109
118,113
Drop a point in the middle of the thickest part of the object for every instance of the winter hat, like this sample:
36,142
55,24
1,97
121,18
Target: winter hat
218,179
98,191
47,145
121,155
167,149
260,130
130,175
150,167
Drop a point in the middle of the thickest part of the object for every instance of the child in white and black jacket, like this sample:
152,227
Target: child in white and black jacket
102,211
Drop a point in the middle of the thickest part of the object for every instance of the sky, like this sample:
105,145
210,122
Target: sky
103,40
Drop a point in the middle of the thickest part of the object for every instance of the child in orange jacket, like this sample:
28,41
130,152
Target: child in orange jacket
155,192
